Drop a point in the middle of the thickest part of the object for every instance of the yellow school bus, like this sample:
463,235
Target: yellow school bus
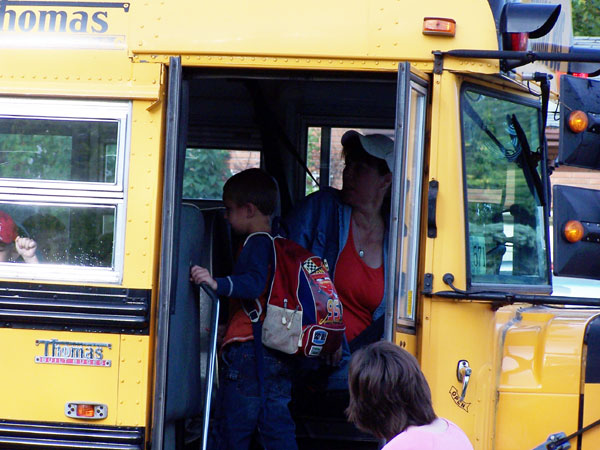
119,123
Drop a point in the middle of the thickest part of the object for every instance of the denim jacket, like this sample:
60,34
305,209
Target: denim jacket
321,223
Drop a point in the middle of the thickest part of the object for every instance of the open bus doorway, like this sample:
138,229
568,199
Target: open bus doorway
285,123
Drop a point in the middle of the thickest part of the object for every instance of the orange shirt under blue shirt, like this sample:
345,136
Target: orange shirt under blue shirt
359,287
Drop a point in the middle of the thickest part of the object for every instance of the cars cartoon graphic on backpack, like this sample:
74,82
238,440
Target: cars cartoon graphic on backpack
303,312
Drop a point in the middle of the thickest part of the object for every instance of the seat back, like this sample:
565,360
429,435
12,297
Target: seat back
186,358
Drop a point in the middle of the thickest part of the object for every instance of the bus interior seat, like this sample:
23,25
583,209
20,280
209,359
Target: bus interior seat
218,238
184,380
204,239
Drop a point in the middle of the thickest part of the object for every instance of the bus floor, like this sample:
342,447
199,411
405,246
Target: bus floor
320,424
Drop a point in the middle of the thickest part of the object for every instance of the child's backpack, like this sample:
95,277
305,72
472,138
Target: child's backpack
303,311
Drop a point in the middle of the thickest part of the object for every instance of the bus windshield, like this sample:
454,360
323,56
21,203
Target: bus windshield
505,215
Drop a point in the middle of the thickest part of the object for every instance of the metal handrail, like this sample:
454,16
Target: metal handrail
210,366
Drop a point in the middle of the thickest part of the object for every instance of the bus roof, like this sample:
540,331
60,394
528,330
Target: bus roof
336,34
343,30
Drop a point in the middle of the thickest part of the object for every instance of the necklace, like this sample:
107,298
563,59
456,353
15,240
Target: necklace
357,238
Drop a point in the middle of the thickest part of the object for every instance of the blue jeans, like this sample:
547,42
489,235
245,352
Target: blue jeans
239,410
313,373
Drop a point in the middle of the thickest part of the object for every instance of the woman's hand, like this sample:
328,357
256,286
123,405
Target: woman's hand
201,275
333,359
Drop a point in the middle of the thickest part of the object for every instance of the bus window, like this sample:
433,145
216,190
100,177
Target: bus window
75,235
62,183
406,266
207,170
59,150
505,216
324,155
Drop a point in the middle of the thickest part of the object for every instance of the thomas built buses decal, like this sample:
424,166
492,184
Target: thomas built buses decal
65,24
72,353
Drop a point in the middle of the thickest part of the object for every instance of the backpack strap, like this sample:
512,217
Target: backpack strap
254,309
256,233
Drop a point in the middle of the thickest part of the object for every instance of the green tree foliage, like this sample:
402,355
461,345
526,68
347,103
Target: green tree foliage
205,173
313,158
586,21
35,157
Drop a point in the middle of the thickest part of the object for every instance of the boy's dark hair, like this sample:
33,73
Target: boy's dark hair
252,186
388,391
354,151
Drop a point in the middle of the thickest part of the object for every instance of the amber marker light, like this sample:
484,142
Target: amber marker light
573,231
85,410
578,121
439,26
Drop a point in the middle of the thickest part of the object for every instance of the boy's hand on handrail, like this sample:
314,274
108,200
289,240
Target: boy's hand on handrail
201,275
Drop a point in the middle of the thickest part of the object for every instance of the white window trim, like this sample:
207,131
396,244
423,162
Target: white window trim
72,193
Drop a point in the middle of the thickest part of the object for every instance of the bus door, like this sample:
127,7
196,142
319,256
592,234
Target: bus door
405,221
183,354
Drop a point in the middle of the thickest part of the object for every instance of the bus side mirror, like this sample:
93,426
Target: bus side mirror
585,68
520,22
579,143
576,217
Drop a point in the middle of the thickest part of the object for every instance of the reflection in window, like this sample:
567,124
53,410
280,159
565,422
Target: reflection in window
504,190
73,235
207,170
60,150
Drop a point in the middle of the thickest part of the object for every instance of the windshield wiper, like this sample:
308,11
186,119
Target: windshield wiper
530,159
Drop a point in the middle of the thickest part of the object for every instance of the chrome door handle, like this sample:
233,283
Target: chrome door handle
463,374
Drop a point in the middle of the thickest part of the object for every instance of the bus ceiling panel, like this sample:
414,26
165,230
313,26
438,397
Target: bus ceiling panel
225,103
224,137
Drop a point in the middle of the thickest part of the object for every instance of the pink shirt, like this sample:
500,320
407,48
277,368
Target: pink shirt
441,434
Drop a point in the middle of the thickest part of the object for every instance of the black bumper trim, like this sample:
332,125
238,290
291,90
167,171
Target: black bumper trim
75,308
69,436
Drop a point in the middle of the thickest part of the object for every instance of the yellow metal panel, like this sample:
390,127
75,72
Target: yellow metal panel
77,73
349,29
461,331
526,420
289,62
144,195
34,391
407,341
542,353
591,413
446,253
133,381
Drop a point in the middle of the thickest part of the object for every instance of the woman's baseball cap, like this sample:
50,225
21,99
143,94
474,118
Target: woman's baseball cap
377,145
8,229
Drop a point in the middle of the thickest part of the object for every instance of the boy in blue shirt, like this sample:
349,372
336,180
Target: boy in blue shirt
250,198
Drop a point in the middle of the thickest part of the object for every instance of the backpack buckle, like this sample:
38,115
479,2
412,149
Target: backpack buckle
253,310
253,315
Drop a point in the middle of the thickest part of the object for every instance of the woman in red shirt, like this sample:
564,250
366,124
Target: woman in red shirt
348,227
